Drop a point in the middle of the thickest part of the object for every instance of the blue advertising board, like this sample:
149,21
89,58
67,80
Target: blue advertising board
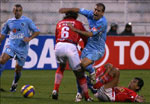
40,56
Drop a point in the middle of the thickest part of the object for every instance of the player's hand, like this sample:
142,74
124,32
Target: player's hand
71,27
139,99
62,10
26,39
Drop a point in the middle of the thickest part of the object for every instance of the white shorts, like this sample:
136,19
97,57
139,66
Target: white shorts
67,52
106,94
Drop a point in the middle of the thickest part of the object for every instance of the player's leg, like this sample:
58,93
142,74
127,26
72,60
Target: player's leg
58,79
104,75
91,71
115,73
61,60
74,62
17,76
20,61
105,92
3,59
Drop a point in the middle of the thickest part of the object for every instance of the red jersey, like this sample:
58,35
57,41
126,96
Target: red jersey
124,94
65,34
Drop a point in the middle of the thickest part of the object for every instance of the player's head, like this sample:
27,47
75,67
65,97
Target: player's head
136,84
99,11
71,14
17,10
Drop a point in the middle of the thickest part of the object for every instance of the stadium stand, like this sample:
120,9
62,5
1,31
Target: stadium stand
45,13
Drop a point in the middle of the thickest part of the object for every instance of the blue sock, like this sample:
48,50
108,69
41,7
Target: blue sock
1,68
17,77
78,88
90,68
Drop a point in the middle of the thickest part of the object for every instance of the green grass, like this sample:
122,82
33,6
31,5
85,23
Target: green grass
43,81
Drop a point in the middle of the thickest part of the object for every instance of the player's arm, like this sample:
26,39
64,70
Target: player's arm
139,99
65,10
35,34
85,33
34,29
4,32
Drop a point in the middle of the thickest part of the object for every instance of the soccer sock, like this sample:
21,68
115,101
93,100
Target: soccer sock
83,84
104,79
58,78
78,87
90,69
1,69
17,76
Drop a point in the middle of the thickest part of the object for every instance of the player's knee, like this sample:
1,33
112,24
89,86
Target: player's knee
79,74
2,61
18,68
115,72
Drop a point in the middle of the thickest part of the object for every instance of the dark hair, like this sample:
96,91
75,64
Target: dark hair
101,4
140,83
18,5
71,14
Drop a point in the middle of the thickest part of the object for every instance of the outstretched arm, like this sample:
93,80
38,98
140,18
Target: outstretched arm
65,10
139,99
85,33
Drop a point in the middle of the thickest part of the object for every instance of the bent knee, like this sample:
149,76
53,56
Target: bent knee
2,61
79,74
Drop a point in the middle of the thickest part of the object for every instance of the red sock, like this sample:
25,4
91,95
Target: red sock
104,79
83,85
58,78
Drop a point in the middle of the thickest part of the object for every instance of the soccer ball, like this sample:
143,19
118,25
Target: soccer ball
28,91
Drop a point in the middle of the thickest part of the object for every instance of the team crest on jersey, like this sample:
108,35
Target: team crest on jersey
94,29
22,24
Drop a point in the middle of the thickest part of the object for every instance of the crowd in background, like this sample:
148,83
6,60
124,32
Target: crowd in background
126,32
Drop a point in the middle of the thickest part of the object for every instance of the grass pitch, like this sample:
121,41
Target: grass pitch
43,81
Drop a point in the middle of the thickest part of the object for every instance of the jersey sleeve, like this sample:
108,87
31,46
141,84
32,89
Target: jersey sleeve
32,26
87,13
99,28
5,29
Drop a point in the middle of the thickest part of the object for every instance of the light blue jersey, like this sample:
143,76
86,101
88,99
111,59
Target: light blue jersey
17,29
95,47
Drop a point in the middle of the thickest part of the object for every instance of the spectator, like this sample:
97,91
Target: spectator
128,30
113,30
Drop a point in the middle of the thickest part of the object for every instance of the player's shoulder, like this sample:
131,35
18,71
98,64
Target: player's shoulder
78,22
26,18
102,20
10,19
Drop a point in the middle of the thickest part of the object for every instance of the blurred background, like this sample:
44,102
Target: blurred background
45,13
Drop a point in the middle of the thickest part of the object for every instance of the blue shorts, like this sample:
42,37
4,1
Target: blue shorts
19,57
92,54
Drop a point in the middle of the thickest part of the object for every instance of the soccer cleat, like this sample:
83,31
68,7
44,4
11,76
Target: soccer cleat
78,97
13,87
89,99
54,95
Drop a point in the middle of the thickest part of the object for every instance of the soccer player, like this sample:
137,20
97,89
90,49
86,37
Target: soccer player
109,91
18,29
66,50
95,46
